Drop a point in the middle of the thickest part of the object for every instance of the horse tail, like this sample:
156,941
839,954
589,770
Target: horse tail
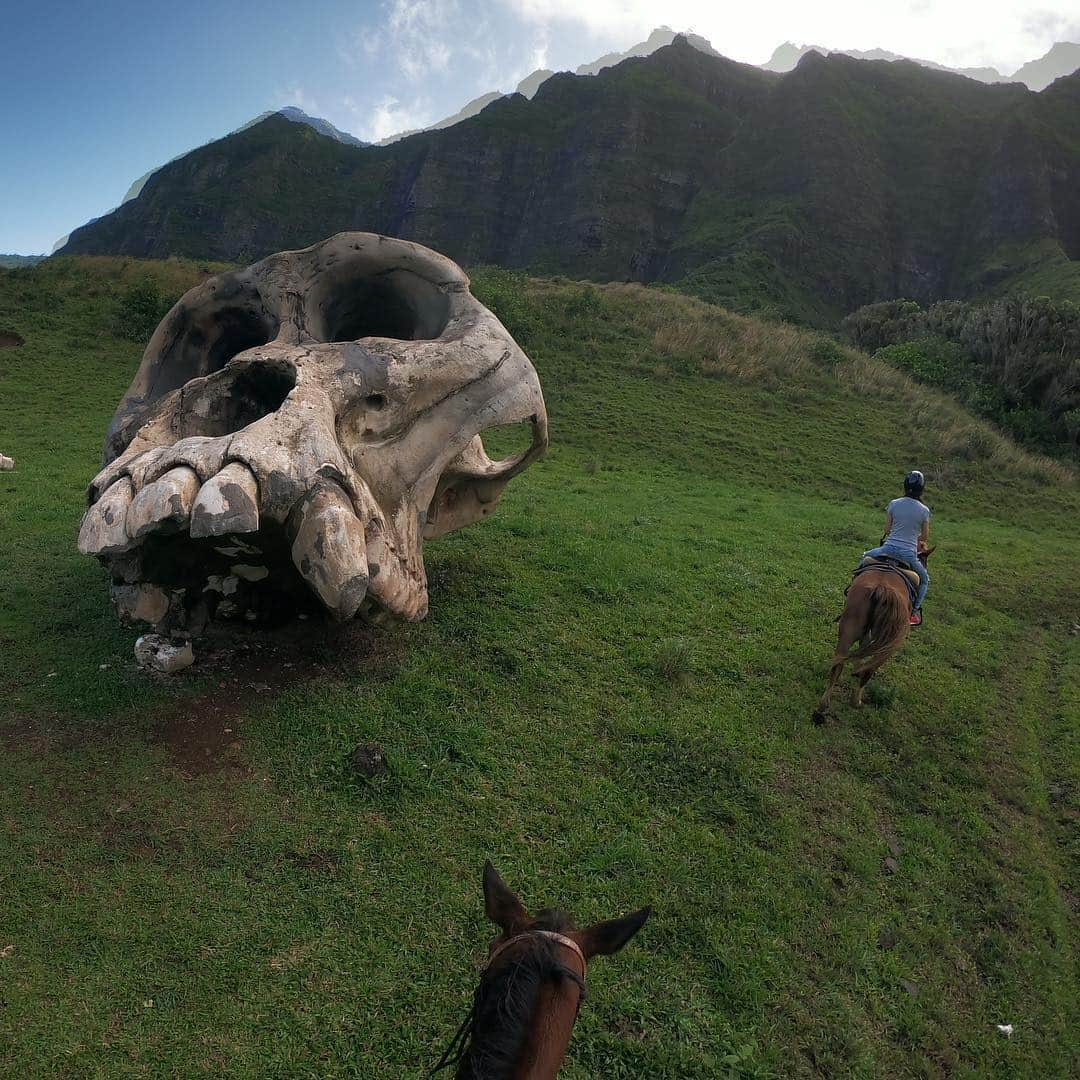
886,627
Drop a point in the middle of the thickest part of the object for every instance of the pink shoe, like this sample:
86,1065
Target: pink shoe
916,618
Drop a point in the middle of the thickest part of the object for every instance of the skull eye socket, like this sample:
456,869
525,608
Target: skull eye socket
355,300
209,338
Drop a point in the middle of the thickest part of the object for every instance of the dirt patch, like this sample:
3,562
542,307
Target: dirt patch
203,734
320,861
9,339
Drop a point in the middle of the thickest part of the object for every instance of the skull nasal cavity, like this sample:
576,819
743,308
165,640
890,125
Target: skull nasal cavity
356,301
225,404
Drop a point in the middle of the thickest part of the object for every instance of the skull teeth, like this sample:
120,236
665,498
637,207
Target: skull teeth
103,530
329,549
165,505
227,503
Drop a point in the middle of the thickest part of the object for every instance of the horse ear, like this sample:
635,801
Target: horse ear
503,908
605,938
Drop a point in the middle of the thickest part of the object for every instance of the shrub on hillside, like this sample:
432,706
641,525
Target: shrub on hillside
139,308
504,292
876,325
1015,360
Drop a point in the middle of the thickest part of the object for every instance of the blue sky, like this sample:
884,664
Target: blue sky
97,93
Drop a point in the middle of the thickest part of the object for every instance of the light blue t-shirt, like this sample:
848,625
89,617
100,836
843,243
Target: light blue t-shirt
908,518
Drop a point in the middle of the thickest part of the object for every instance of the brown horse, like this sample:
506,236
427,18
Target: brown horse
529,994
877,615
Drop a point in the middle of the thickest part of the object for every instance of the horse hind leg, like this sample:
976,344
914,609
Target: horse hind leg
861,679
850,628
837,669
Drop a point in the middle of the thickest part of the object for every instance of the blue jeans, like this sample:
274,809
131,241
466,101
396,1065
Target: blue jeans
907,556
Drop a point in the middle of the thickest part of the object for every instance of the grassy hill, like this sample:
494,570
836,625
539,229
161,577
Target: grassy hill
804,195
610,699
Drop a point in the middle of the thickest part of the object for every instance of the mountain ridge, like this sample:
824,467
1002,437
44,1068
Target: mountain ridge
808,193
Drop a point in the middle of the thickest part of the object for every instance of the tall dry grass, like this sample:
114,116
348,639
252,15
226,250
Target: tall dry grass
717,343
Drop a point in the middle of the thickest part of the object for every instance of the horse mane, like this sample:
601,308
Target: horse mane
490,1042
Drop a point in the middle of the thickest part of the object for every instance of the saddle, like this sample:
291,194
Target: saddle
883,562
891,566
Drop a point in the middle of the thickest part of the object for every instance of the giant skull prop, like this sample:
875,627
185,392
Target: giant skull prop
295,432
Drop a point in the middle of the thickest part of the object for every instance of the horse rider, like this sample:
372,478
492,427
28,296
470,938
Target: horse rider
907,532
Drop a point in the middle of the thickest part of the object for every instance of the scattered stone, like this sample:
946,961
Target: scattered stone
368,761
6,951
249,573
227,586
890,865
910,987
1005,1029
140,603
158,653
6,463
888,938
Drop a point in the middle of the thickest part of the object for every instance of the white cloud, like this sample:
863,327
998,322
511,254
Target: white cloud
416,35
388,117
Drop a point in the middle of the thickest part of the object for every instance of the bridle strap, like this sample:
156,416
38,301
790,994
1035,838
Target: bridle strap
562,939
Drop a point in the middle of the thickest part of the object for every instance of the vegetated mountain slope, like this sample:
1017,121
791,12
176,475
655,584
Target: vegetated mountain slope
611,698
8,261
809,194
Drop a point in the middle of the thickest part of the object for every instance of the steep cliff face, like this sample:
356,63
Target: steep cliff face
808,193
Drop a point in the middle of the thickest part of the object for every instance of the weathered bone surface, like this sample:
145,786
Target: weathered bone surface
295,432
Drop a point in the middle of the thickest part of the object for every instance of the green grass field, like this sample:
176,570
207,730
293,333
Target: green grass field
611,699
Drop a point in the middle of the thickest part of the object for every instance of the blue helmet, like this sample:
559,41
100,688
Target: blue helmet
914,483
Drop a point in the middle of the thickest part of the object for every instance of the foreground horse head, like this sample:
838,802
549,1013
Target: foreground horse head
877,615
529,994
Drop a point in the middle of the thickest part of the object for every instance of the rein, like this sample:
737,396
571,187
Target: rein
455,1052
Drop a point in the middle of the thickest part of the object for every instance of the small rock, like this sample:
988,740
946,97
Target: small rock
140,603
890,865
910,987
6,463
888,938
103,667
368,760
158,653
1005,1029
249,573
6,951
